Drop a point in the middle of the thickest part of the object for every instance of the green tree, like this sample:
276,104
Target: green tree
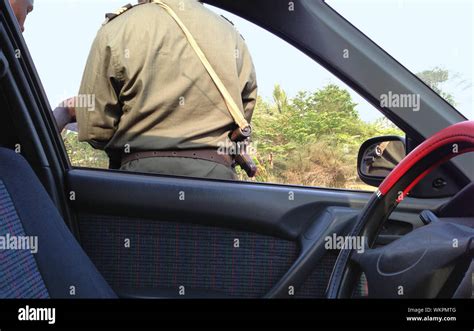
434,78
280,99
313,139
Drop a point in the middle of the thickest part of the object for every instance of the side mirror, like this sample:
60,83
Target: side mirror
378,157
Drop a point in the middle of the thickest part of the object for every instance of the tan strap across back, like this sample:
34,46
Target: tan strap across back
234,110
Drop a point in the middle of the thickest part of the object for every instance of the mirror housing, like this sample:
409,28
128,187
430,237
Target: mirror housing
378,157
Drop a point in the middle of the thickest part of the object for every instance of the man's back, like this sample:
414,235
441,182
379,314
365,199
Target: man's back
151,90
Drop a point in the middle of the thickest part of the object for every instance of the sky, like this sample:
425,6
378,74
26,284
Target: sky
421,34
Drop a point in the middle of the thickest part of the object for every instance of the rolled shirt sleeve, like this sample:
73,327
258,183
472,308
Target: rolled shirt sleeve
98,117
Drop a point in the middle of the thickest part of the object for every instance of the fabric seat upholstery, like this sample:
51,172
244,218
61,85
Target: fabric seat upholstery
60,268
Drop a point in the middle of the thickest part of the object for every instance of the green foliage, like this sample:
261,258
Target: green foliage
280,99
82,154
315,140
434,78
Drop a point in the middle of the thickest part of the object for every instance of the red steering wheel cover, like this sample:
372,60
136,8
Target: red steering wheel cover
462,132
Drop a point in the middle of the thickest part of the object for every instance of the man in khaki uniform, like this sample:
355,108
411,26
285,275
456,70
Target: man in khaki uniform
155,104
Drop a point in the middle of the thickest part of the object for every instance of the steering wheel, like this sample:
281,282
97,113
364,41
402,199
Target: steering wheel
436,150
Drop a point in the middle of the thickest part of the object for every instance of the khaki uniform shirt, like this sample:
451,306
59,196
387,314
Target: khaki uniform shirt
150,89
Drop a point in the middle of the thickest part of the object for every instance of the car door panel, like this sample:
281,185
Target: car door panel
160,236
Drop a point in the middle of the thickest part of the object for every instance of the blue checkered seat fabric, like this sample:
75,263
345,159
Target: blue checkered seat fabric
39,257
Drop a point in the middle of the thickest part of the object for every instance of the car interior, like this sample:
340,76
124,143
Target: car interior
109,234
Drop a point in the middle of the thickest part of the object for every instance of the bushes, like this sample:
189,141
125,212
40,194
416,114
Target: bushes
312,139
82,154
